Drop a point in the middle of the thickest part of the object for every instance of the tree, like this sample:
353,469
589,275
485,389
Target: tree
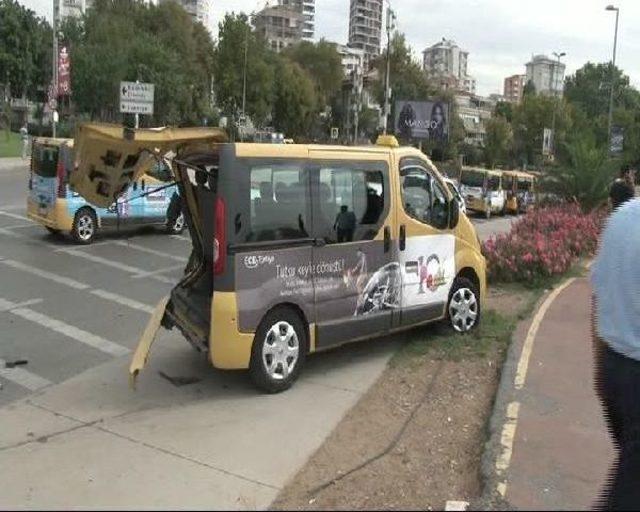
504,109
322,61
25,48
498,142
295,100
583,175
529,89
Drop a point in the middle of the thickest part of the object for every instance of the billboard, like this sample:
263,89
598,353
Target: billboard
64,71
426,120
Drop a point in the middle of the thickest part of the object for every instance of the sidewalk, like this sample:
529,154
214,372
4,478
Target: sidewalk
554,452
91,442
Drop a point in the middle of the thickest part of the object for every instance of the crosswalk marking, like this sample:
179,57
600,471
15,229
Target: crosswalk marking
72,283
92,340
154,273
141,248
23,377
116,264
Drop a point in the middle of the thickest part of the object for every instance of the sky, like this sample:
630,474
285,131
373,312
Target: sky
500,35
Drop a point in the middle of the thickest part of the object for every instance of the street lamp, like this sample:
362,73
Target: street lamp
391,18
558,56
613,66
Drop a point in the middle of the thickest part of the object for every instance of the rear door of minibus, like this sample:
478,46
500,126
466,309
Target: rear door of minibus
44,177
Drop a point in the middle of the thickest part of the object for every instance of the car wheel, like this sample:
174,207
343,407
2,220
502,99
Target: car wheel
85,226
463,309
279,350
175,217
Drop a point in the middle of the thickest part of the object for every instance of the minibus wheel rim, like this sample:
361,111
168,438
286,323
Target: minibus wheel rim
178,224
85,227
280,350
463,310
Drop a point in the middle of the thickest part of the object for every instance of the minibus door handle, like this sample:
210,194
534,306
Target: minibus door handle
387,238
403,237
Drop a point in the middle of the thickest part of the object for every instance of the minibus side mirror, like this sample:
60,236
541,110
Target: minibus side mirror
454,213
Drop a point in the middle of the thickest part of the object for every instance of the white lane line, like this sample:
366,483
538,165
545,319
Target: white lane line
8,306
23,378
147,250
77,248
455,506
8,232
71,283
97,342
14,215
116,264
77,285
125,301
19,226
181,237
154,273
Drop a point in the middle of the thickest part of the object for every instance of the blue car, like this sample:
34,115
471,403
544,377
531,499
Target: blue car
152,200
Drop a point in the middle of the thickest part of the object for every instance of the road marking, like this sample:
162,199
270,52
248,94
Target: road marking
14,215
8,232
71,283
181,237
93,340
457,506
154,273
506,442
23,378
125,301
523,363
19,226
117,265
77,285
147,250
8,306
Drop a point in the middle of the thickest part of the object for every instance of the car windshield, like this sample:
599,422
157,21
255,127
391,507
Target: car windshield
472,178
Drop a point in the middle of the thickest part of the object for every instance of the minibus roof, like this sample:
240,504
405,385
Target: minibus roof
494,172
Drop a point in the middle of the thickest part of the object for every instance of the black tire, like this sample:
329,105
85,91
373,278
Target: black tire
260,375
52,230
465,287
175,216
80,231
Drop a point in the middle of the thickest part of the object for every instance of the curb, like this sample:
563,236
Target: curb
491,498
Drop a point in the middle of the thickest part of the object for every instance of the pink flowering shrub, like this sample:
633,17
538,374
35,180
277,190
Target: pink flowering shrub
543,243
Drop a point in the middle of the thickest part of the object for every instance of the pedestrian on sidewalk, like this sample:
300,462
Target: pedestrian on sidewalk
616,332
24,135
623,189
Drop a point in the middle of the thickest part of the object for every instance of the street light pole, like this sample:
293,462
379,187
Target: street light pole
387,99
553,120
613,68
54,67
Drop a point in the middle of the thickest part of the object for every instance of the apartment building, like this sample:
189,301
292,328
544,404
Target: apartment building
546,74
446,64
365,27
281,26
514,87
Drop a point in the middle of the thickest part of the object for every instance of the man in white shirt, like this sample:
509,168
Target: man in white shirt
616,322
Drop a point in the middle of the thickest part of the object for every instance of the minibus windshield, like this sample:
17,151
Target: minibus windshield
472,179
494,183
524,185
45,160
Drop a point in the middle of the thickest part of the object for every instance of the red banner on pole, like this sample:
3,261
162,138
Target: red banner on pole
64,71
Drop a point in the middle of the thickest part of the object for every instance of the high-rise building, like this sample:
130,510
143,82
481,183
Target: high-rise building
280,25
514,87
198,9
546,74
352,58
365,27
308,10
445,63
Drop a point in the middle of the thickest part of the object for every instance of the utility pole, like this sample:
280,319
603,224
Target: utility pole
387,110
555,105
54,74
613,70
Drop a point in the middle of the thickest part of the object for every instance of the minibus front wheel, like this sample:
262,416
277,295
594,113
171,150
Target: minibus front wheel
85,225
463,309
279,350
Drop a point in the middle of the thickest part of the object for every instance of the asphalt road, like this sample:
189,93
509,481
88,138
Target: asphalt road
66,308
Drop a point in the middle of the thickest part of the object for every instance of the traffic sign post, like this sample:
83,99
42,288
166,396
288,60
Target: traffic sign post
136,98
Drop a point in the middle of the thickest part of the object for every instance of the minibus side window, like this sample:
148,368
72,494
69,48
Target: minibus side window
350,203
423,197
278,199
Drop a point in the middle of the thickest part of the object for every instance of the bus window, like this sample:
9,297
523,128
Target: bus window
472,179
493,183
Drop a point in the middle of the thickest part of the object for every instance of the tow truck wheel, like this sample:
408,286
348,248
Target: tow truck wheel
85,226
279,350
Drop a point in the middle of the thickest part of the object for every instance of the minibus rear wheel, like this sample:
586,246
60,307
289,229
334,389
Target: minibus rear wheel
279,350
463,308
85,226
